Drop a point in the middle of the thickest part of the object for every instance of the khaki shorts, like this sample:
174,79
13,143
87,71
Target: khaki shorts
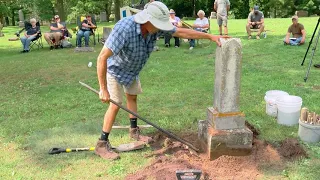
116,89
222,20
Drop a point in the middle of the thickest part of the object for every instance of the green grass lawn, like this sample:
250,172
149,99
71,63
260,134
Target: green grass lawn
43,106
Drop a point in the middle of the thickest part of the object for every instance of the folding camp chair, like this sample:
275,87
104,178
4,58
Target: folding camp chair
37,42
65,35
93,31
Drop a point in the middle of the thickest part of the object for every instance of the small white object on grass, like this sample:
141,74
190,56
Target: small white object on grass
90,64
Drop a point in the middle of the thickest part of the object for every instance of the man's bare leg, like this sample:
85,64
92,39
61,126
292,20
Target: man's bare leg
134,130
261,29
225,30
47,38
110,117
248,30
57,38
103,147
132,104
220,30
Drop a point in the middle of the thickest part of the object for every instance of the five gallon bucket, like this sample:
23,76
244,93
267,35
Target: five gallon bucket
270,98
288,109
309,133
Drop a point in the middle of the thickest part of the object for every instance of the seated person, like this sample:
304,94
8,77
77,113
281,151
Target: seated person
29,35
255,21
201,24
298,33
56,33
86,29
176,22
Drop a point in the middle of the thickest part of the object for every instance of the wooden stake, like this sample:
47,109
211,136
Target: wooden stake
127,127
304,114
314,118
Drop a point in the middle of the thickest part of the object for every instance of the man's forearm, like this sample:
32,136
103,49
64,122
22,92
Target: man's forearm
102,72
190,34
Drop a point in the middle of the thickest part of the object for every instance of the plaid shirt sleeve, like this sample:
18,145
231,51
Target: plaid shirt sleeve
117,39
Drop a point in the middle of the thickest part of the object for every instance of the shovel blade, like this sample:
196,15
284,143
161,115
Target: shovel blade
130,146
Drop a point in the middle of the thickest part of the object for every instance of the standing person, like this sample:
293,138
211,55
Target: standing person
177,23
86,29
120,61
222,7
298,33
255,21
201,24
29,35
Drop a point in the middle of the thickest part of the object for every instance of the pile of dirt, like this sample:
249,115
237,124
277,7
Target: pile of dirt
162,168
263,156
291,148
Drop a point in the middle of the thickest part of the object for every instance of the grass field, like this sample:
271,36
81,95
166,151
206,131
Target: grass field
43,106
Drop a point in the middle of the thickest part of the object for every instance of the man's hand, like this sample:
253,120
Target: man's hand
104,96
216,39
302,41
253,23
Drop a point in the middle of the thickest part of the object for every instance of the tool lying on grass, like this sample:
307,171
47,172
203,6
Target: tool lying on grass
121,148
145,120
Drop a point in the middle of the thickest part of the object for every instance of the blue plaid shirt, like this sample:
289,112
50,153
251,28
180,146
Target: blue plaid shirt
130,50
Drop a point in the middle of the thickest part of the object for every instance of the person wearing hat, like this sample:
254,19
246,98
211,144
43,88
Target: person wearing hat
56,33
222,7
177,23
298,33
120,61
201,24
255,21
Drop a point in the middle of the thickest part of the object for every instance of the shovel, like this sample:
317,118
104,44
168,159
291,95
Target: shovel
121,148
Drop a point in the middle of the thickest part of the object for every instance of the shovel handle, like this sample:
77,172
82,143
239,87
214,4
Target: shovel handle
171,135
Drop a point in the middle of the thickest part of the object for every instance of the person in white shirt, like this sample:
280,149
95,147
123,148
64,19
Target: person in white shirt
222,7
201,24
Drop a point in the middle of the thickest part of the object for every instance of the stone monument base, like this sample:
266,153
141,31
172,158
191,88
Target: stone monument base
21,24
235,142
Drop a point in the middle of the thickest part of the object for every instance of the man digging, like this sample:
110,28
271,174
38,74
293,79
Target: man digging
123,56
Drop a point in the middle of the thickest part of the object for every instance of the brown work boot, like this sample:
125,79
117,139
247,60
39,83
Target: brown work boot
104,150
135,134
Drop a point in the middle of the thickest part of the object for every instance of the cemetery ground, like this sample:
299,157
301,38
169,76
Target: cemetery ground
43,106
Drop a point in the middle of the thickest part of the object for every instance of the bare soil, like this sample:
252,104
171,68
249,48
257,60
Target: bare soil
171,156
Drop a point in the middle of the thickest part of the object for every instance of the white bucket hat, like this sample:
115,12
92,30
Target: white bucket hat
157,14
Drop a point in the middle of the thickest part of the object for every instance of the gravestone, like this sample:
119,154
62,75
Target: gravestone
224,132
301,13
21,18
213,15
106,33
1,26
103,16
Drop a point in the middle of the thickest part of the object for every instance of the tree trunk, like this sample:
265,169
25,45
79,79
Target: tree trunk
1,20
107,8
12,18
60,8
7,21
117,10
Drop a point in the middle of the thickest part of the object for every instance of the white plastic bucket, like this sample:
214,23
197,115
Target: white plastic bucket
270,98
288,109
309,133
